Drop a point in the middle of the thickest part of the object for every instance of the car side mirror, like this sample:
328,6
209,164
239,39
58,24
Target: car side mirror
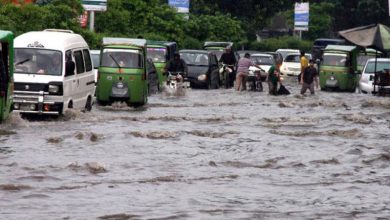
69,68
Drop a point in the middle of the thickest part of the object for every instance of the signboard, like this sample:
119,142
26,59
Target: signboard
182,6
95,5
83,19
301,17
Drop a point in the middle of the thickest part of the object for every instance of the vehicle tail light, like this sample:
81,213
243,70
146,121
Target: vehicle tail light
143,76
46,107
98,75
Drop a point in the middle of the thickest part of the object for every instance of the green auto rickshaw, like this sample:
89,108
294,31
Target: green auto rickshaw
6,73
161,52
338,69
217,47
122,74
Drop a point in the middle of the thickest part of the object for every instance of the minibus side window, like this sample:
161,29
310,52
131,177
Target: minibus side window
87,59
69,64
79,61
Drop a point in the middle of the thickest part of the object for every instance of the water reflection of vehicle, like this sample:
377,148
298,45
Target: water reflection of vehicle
161,52
202,68
368,74
53,72
122,72
338,68
6,72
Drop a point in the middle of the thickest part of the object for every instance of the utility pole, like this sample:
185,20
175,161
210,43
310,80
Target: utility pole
92,21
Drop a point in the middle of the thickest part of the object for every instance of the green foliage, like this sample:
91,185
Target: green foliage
31,17
214,28
218,20
191,43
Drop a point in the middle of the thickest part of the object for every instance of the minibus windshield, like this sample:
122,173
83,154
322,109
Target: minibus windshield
38,61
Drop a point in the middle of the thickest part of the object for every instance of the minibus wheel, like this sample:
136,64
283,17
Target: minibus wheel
88,104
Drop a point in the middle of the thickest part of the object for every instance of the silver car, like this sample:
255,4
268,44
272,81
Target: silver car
367,78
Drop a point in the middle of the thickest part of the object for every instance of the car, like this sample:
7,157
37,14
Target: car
285,52
368,74
265,61
202,68
292,64
95,55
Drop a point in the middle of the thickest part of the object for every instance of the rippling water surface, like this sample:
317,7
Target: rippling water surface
215,154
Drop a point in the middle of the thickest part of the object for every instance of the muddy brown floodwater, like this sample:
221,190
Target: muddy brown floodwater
215,154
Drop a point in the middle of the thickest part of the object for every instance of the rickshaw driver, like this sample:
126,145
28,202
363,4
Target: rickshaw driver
177,65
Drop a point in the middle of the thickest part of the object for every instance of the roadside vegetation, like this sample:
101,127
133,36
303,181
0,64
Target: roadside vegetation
220,20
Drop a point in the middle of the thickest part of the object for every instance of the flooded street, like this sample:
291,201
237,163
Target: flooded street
215,154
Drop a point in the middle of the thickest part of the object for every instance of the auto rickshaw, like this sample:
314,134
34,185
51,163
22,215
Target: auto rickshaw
217,47
161,52
122,74
338,70
6,73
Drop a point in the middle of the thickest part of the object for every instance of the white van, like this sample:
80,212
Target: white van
53,72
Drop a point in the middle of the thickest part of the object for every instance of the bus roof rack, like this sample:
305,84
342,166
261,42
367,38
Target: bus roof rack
59,30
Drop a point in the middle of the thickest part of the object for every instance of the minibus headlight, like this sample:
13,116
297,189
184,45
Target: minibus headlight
54,89
32,107
202,77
